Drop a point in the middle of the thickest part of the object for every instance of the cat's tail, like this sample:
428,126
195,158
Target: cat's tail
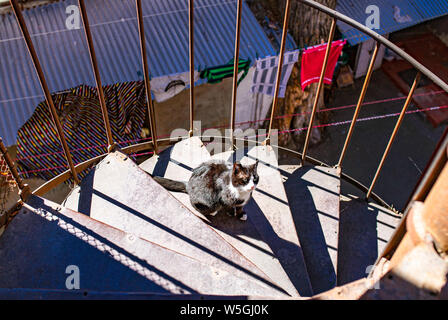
172,185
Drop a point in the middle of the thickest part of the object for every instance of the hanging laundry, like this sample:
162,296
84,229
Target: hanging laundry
266,73
166,87
216,74
313,59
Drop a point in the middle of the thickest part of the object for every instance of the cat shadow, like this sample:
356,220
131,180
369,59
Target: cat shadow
258,227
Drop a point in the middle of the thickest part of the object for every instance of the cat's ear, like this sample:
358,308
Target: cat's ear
237,167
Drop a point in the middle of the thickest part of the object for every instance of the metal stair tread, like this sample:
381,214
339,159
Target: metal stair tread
117,192
45,238
313,194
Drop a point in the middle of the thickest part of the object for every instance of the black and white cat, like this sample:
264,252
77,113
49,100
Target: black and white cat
218,186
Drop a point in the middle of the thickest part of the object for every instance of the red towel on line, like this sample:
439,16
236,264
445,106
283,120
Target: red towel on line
313,59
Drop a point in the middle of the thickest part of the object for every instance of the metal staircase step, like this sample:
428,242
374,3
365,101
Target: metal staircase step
364,230
45,243
313,195
269,212
246,239
117,192
241,235
177,162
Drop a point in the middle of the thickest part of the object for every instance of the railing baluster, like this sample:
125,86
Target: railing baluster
279,69
319,89
235,70
394,133
360,101
43,84
23,188
85,20
191,53
151,114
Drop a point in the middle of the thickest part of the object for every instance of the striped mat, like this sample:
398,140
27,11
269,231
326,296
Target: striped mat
39,152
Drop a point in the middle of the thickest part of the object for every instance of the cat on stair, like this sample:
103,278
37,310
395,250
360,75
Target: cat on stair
218,186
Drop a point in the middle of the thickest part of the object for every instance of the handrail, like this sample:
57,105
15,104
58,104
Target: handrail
319,88
85,20
191,54
151,114
43,84
235,71
380,40
279,69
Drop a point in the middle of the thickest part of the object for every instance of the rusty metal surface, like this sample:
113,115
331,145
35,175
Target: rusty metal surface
150,106
96,73
46,238
44,86
360,101
119,193
235,69
280,67
319,88
435,212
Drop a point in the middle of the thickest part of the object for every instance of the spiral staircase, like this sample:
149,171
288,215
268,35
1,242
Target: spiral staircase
122,235
127,234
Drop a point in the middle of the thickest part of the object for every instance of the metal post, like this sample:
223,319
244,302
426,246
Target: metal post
43,84
235,70
85,21
360,101
151,114
319,88
191,53
394,133
279,69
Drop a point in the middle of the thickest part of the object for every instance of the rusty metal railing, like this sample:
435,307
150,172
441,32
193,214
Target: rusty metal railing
44,85
151,114
279,69
235,70
111,145
153,144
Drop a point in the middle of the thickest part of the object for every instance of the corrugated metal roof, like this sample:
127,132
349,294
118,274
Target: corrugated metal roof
64,56
417,10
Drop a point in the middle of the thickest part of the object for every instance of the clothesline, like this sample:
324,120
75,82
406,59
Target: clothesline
247,122
288,131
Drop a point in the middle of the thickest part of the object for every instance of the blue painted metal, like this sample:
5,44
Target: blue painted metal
64,56
418,10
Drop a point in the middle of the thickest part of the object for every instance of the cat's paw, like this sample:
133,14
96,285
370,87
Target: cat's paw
243,217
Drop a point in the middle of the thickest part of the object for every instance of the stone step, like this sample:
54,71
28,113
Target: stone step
269,212
313,196
47,246
117,192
